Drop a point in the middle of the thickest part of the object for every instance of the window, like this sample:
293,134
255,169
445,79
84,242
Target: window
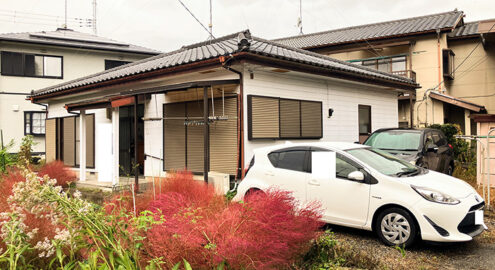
428,139
31,65
34,123
448,64
386,64
290,159
343,167
278,118
439,139
364,120
62,140
114,63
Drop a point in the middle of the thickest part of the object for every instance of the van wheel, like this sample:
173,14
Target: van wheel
396,227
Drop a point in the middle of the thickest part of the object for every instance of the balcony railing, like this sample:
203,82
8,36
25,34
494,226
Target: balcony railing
406,73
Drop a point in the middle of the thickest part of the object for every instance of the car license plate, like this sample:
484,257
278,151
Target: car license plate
478,217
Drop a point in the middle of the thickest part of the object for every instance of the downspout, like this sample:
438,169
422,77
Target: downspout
241,118
439,62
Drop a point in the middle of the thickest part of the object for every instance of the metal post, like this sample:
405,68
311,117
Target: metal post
489,158
411,109
82,145
206,135
136,148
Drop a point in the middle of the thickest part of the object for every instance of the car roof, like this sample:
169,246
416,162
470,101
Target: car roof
417,130
342,146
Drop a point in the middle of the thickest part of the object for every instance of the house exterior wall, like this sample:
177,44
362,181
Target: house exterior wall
423,58
343,97
474,81
76,63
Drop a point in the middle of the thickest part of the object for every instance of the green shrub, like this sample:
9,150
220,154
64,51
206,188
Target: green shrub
462,150
6,159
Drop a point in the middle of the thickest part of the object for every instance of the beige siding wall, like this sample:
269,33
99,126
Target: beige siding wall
475,79
76,63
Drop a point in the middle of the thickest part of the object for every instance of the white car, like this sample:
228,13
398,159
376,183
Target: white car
366,188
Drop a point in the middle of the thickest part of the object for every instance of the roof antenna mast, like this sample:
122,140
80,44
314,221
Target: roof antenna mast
299,20
65,18
94,17
210,26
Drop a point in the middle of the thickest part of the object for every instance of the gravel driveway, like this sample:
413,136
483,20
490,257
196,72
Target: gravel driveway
476,254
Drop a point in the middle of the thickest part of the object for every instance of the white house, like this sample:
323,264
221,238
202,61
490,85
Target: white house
257,92
36,60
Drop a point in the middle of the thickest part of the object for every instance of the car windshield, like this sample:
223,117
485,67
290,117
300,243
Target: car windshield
401,140
383,162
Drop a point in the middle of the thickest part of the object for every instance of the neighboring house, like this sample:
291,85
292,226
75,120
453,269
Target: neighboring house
35,60
426,49
263,94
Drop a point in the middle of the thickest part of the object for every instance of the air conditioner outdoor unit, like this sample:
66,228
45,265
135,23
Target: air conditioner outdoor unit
220,181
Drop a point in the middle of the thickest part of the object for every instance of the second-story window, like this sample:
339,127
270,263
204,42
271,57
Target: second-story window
114,63
387,64
31,65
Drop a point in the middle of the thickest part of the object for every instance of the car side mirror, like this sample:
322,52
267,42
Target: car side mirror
432,148
356,176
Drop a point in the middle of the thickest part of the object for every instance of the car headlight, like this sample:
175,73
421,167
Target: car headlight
435,196
413,162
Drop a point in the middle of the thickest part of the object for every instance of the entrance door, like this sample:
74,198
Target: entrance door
126,140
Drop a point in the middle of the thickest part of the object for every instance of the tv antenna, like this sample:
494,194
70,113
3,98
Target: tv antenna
299,20
94,17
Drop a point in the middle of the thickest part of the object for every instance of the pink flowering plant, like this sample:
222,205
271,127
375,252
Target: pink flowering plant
183,224
84,236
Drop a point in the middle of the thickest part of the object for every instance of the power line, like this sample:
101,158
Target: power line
463,61
192,14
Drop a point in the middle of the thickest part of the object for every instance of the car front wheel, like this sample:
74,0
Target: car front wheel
396,227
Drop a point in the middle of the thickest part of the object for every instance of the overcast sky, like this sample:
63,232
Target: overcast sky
165,25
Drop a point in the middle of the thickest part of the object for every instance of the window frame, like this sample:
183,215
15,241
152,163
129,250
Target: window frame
23,55
374,62
369,119
112,60
30,113
448,63
279,137
307,157
59,138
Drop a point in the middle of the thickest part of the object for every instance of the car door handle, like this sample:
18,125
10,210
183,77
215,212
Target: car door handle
314,182
269,173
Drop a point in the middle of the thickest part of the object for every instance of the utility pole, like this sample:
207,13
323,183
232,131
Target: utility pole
94,17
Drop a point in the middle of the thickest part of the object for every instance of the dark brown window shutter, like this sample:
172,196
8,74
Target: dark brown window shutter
311,119
290,119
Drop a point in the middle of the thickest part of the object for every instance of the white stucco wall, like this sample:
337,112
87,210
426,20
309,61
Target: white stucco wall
76,63
342,96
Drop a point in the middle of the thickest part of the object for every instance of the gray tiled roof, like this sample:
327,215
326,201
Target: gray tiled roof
225,46
402,27
75,39
468,29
